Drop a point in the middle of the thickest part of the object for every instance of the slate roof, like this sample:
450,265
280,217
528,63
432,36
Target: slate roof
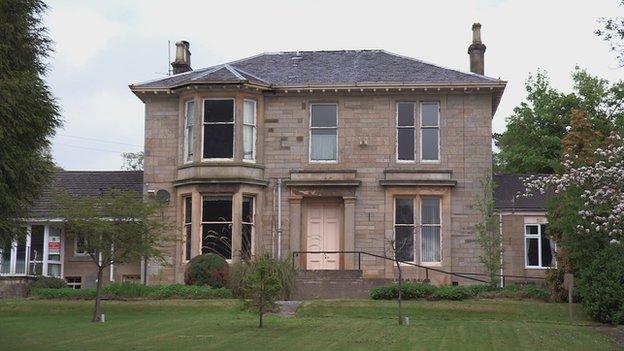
323,68
86,183
508,186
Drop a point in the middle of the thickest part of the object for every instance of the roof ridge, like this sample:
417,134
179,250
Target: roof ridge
234,72
249,74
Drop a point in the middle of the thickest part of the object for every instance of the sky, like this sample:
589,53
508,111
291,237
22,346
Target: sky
103,46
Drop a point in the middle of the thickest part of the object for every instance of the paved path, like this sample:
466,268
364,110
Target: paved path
288,308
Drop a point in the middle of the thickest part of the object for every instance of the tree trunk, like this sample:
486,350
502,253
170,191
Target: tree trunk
261,309
97,313
400,293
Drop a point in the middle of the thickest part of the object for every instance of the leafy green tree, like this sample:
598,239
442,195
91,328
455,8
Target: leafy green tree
262,285
116,227
487,235
533,140
29,114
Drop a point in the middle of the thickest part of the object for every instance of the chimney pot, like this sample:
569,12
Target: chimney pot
182,61
476,50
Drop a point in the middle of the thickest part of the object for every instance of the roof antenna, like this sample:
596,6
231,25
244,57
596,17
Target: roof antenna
168,59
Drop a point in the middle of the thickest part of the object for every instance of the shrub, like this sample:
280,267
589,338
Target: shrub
451,292
207,269
410,291
127,290
189,292
601,286
512,291
48,283
63,293
283,270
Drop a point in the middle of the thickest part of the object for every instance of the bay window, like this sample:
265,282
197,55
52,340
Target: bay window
218,120
406,131
539,249
188,227
430,131
217,226
247,237
430,229
249,130
189,122
323,132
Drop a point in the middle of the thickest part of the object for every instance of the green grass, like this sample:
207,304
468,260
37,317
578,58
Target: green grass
319,325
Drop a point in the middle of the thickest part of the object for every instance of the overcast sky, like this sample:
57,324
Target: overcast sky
102,46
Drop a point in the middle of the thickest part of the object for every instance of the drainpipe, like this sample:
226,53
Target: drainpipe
500,234
279,218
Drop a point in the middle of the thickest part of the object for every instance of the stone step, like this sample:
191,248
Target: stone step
336,284
330,274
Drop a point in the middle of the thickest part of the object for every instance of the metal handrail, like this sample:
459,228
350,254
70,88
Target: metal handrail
360,253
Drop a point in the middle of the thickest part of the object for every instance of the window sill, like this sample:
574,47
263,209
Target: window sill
539,268
430,162
323,162
431,264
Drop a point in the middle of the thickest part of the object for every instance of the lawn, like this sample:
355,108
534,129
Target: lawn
318,325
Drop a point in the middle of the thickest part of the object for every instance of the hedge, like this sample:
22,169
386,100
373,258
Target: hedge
413,291
118,291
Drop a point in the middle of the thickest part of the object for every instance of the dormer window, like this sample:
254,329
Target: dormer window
189,122
218,120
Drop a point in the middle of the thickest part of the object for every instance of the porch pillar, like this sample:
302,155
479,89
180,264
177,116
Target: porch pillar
295,224
349,232
237,226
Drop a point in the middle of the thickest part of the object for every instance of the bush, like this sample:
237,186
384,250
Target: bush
529,291
601,286
283,269
42,282
134,290
63,293
410,291
207,269
452,292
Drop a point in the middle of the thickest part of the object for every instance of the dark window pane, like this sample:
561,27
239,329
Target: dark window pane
547,249
532,252
430,211
324,116
531,229
430,114
218,110
430,244
188,209
248,203
406,114
5,260
404,210
404,241
20,257
218,140
217,239
36,243
406,143
246,241
217,209
430,144
189,241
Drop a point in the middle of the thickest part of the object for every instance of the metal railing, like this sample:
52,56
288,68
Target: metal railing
465,275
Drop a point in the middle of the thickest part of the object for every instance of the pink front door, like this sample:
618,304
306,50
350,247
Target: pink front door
323,235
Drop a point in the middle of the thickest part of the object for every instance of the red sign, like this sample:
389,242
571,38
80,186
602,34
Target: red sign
54,246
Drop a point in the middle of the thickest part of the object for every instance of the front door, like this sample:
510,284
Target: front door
323,235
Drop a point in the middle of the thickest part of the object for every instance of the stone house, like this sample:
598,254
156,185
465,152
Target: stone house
332,158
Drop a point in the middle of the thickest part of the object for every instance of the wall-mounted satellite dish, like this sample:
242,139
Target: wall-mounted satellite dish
163,196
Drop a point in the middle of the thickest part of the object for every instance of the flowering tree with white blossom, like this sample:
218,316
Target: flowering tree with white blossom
601,185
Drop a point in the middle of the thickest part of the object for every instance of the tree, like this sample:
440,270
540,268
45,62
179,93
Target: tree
395,248
116,227
132,161
487,236
29,114
262,284
533,140
613,33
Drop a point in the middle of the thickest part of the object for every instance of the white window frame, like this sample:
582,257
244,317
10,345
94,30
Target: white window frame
537,236
76,252
254,128
252,223
188,134
231,222
429,127
45,261
74,285
413,225
185,225
422,225
396,131
233,123
310,128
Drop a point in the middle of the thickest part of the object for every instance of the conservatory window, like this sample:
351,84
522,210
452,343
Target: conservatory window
323,132
539,250
38,252
218,129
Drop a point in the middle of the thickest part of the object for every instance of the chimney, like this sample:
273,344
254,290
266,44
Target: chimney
476,50
182,61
